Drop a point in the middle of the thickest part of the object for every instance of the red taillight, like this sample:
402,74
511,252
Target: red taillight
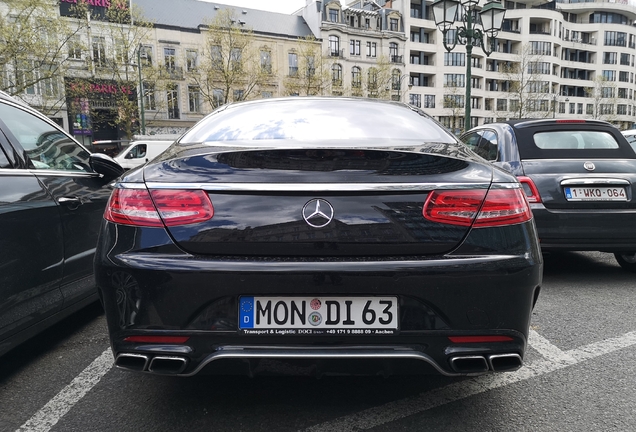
182,207
158,339
469,207
169,207
453,207
571,121
478,339
530,189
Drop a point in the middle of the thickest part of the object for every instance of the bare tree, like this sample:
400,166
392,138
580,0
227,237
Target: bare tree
454,101
310,75
114,76
524,86
232,66
603,96
379,80
34,52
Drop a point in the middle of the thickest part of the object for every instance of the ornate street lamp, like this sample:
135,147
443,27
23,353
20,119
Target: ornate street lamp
467,32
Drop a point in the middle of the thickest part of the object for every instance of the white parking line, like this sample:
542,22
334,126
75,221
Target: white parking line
406,407
56,408
554,359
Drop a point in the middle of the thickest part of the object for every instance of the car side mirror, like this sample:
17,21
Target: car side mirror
105,165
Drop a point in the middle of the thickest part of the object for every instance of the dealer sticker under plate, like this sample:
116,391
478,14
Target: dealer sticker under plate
318,315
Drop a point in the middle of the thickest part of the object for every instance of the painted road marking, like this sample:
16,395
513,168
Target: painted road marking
553,361
56,408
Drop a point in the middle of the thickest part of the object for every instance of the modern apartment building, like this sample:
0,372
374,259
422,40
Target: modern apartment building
578,57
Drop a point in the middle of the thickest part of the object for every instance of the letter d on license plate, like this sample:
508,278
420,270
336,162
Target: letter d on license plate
318,315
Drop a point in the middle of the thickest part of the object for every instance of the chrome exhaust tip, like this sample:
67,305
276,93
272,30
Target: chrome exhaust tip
505,362
167,365
133,362
469,364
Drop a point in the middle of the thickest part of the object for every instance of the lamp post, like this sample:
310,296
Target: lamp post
141,93
554,102
467,32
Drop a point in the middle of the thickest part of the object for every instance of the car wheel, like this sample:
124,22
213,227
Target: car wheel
626,260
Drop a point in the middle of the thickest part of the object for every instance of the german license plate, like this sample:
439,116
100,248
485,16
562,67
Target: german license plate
318,315
602,193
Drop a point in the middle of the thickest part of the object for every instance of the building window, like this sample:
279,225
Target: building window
99,51
613,38
146,55
625,59
236,57
239,95
609,58
415,100
266,61
333,15
356,77
393,53
394,24
218,98
429,101
292,58
336,75
191,60
454,59
267,95
354,47
609,75
75,48
194,98
121,51
149,96
623,76
215,56
621,109
172,97
395,79
170,58
373,79
334,46
454,80
371,49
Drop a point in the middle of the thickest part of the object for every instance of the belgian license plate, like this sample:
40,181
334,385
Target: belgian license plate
318,315
602,193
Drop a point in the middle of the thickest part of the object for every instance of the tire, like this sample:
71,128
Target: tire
627,260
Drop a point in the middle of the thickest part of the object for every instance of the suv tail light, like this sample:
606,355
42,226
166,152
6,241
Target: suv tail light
157,208
530,189
478,208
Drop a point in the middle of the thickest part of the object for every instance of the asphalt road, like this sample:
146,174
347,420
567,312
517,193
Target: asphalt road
580,375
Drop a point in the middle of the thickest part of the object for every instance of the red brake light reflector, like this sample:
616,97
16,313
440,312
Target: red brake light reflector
530,189
479,339
158,339
140,207
571,121
477,208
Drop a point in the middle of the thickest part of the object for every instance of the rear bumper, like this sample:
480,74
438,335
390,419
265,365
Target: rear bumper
198,298
585,230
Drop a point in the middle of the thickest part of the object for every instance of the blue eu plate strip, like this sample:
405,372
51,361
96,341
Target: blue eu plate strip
246,309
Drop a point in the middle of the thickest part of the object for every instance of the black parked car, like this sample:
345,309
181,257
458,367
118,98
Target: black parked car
579,176
52,198
340,235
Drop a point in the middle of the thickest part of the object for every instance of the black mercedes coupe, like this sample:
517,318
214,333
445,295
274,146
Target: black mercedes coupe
318,235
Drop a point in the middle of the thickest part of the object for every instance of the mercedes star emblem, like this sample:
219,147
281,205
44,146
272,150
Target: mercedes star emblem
318,213
589,166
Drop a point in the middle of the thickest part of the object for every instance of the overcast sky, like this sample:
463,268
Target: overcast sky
282,6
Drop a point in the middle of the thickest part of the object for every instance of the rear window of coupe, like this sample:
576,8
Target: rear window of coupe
575,140
318,120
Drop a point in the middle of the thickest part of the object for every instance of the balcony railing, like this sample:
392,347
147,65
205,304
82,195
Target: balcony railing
336,53
396,59
174,72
